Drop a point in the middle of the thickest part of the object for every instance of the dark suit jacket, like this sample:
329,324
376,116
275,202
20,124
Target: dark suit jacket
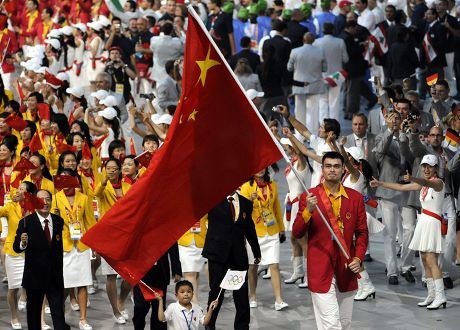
159,275
43,261
356,65
225,239
438,37
248,54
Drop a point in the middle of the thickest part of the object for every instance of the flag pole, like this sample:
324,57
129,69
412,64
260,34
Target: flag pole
218,296
275,141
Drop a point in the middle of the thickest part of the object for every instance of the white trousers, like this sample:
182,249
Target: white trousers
307,111
449,73
329,105
333,309
392,215
447,258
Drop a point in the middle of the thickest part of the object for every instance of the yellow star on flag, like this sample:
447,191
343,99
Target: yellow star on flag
205,66
192,115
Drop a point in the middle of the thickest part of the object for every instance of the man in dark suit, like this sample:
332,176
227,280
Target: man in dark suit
157,277
246,53
229,224
39,235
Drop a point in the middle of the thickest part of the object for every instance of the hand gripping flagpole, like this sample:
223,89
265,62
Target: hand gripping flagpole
280,148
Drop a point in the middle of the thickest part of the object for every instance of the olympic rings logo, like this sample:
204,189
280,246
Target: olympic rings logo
235,279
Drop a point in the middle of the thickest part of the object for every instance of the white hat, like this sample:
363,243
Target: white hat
104,21
76,91
80,26
54,33
431,160
95,25
31,64
109,101
165,119
155,118
149,13
35,52
63,76
67,30
54,43
286,141
356,153
108,113
100,94
252,94
39,69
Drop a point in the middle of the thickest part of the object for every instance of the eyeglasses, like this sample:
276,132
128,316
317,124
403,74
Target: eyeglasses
436,135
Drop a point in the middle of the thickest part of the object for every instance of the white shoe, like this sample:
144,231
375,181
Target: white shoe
440,296
45,327
365,287
253,304
16,325
96,285
125,314
92,290
304,284
282,305
268,275
119,320
22,305
431,293
47,310
5,279
85,326
75,307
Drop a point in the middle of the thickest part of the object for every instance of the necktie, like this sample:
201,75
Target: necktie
232,207
47,231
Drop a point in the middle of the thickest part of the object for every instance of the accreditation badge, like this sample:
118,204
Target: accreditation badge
6,199
119,88
95,205
75,231
196,228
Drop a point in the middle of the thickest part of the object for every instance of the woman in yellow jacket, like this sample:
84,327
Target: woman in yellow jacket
74,207
268,219
14,262
190,248
111,189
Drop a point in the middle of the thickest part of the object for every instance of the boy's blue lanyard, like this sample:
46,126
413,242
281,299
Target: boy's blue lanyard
189,324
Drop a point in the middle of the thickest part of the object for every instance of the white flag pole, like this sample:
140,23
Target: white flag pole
275,141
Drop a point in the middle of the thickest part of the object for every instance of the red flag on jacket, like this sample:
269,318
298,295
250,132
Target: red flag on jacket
215,143
52,79
62,147
148,292
24,165
99,141
145,158
16,122
44,111
31,202
132,148
86,151
65,181
35,144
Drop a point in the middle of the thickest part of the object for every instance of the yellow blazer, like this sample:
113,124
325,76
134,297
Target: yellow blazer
96,163
273,222
52,157
81,210
186,239
107,197
87,187
13,212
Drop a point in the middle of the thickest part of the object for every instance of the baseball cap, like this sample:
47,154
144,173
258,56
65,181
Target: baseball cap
54,43
155,118
165,119
54,33
252,94
431,160
108,113
80,26
356,153
63,76
95,25
104,21
109,101
76,91
66,30
344,3
100,94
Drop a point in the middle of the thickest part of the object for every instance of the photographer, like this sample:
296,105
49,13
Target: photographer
120,73
118,39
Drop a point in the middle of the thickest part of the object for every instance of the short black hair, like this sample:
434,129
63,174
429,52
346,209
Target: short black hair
150,137
169,66
30,187
351,24
245,42
166,28
442,82
38,96
332,155
331,124
114,145
183,283
328,28
278,25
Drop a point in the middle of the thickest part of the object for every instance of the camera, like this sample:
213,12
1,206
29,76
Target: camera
276,108
150,96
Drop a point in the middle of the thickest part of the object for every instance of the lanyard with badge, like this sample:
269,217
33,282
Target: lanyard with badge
6,196
119,85
266,214
189,323
74,226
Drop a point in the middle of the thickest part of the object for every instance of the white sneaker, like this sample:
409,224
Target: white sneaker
92,290
125,314
75,307
119,320
16,325
282,305
253,304
45,327
84,326
22,305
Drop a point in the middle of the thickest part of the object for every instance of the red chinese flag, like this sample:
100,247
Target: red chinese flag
52,79
99,141
132,148
44,111
216,141
61,147
71,118
86,151
145,158
148,292
65,181
35,144
20,92
24,165
31,202
16,122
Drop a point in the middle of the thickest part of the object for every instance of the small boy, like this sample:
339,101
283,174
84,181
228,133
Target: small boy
183,314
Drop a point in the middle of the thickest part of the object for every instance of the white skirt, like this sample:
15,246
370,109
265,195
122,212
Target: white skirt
4,224
373,225
427,235
191,259
106,269
14,269
294,210
269,249
77,268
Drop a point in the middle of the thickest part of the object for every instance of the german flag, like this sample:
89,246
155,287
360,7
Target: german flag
431,80
452,137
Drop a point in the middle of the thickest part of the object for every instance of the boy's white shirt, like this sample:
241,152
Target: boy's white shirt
176,320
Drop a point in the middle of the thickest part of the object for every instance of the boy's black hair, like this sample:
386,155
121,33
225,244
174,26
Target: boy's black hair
183,283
